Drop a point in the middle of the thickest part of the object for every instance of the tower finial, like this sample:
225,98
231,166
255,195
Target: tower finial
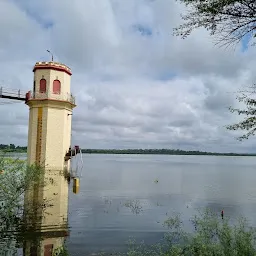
50,53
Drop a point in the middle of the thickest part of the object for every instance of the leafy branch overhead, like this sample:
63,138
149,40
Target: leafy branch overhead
248,124
230,20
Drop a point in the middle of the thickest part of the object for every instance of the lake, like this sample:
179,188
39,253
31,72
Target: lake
126,197
130,196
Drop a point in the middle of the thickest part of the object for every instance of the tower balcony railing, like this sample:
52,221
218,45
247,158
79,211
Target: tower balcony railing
50,96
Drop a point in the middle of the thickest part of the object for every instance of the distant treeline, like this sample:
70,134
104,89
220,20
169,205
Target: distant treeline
158,152
18,149
12,148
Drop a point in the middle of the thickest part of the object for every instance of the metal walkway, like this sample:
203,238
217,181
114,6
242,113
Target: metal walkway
12,94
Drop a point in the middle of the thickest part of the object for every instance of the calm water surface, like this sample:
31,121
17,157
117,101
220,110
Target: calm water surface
123,196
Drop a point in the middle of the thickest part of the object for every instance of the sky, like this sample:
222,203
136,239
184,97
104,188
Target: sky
136,85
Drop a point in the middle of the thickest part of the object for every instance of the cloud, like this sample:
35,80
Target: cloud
136,85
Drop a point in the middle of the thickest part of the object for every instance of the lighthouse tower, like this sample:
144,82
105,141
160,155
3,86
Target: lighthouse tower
50,104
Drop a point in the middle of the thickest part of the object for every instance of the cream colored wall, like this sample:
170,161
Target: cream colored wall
50,75
58,137
56,133
56,193
44,133
32,133
56,140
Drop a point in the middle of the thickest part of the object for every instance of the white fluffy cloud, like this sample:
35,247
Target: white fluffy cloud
136,84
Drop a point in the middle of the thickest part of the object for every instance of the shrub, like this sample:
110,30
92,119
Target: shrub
212,237
15,179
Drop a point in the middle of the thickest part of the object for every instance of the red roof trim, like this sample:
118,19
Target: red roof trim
52,67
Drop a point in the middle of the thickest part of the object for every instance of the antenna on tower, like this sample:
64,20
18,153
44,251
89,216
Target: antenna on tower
50,53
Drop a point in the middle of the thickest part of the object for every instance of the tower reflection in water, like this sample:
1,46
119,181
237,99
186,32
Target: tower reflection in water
46,214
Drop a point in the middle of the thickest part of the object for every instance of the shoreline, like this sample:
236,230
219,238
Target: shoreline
144,152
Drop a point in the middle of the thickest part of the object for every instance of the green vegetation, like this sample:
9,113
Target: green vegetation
15,179
61,251
249,123
230,21
158,152
212,237
12,148
164,151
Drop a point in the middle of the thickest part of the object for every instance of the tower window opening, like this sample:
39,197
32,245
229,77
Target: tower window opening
56,87
42,87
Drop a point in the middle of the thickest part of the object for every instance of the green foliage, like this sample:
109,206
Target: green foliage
212,237
61,251
248,124
12,148
134,205
15,178
230,20
163,151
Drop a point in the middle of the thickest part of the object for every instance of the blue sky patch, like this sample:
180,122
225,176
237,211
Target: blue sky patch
34,15
47,24
143,30
245,41
165,76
